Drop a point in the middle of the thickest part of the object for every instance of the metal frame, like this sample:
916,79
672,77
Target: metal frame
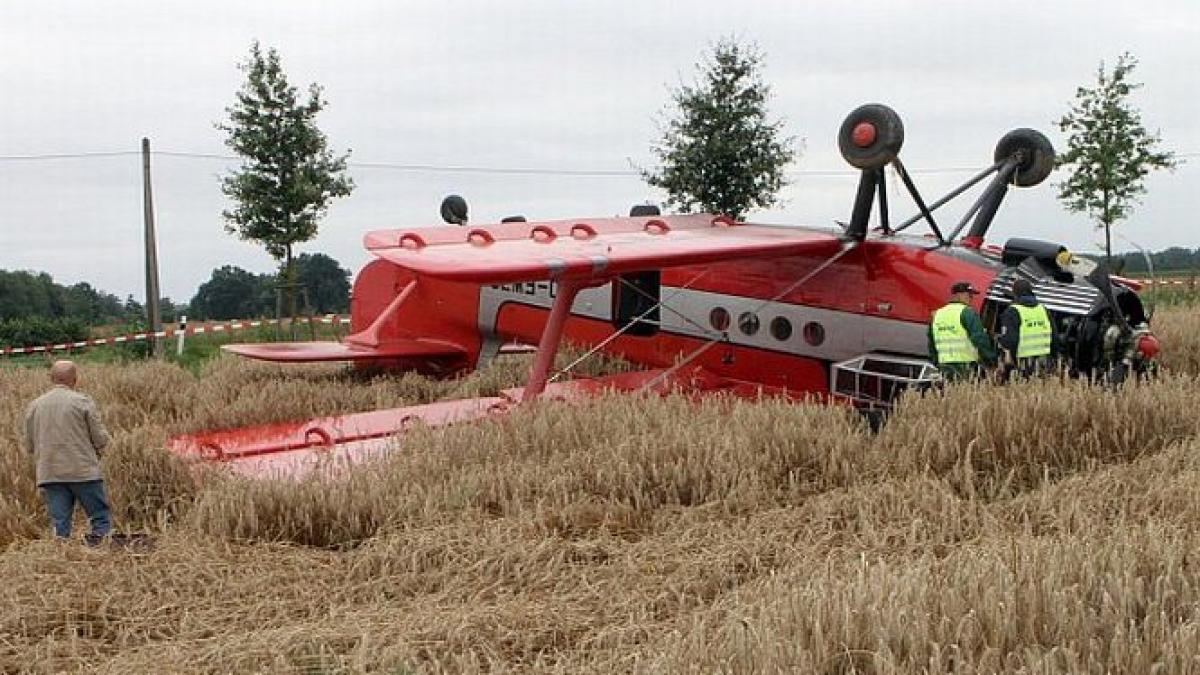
922,373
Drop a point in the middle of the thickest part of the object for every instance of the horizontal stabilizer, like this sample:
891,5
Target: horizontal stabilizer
299,352
593,248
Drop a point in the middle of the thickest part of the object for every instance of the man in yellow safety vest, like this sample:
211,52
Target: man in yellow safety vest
958,343
1027,336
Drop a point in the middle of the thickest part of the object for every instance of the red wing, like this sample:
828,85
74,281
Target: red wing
588,249
334,351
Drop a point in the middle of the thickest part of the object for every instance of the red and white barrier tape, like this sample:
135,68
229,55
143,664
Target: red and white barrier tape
190,330
1169,282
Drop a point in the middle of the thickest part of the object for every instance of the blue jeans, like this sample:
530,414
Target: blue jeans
60,501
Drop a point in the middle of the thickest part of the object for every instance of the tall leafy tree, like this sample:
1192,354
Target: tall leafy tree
326,282
1109,150
288,174
719,152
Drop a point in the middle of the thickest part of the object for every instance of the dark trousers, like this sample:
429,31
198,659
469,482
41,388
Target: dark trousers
1030,368
959,372
60,502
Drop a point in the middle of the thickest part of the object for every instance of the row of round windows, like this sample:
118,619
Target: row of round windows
781,328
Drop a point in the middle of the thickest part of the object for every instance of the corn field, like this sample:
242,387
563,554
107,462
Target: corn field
1048,527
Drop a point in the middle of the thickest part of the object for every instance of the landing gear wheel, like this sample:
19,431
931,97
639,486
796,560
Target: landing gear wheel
1037,155
871,136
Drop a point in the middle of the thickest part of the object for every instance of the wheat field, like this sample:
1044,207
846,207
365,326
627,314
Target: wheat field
1050,527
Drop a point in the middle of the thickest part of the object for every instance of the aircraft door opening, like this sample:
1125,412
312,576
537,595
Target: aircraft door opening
635,301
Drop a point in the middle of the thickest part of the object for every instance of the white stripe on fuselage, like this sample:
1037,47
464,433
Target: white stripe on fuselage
686,312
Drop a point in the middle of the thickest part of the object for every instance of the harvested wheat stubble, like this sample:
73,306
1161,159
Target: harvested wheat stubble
1045,528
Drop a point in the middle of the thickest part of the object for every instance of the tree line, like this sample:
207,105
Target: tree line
323,287
1173,259
34,309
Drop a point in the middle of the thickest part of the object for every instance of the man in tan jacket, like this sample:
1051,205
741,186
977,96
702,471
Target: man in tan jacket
64,434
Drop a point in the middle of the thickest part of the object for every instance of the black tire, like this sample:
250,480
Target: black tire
454,210
641,210
889,136
1037,155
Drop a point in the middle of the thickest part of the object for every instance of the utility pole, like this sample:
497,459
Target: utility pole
153,318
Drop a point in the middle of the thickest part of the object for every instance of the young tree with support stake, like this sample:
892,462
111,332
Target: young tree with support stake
720,153
288,175
1109,150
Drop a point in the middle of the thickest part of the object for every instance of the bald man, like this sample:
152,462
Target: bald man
64,434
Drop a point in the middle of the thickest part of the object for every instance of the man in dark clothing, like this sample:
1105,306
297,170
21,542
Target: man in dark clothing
958,342
1028,339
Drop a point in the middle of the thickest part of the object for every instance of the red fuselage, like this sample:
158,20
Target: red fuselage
769,331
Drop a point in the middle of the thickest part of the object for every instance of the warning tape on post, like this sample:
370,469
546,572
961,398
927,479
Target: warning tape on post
223,327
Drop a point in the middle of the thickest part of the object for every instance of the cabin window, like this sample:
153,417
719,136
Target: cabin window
781,328
748,323
814,333
718,318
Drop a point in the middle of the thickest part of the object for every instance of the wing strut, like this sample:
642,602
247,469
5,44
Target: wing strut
551,337
369,336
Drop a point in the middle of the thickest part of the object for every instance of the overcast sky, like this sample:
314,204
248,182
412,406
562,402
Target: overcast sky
544,85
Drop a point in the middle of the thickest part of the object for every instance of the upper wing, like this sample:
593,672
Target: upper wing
592,248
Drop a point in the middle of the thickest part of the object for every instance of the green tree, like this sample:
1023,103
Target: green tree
28,294
233,293
288,174
1109,150
94,307
719,152
326,282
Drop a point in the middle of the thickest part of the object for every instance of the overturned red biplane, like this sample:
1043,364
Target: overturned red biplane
704,303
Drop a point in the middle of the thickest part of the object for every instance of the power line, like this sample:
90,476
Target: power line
468,169
446,168
67,155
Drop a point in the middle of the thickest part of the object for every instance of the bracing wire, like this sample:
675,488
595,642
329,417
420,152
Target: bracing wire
846,248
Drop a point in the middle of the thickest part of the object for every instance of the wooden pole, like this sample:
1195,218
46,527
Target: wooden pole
153,317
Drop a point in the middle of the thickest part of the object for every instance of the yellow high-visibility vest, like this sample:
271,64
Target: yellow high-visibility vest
951,340
1034,338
